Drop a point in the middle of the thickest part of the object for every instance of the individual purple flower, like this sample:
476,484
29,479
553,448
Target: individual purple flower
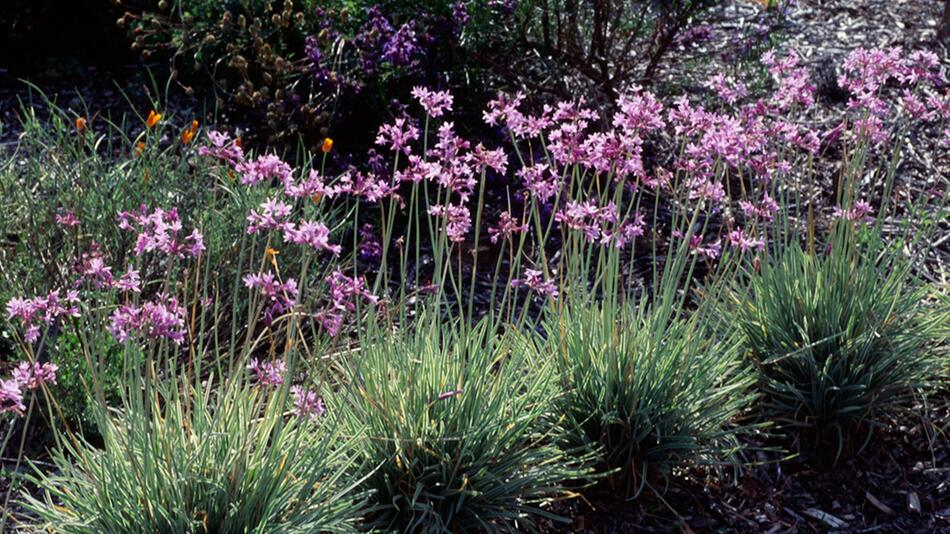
625,232
92,268
401,49
503,108
435,103
306,403
42,310
268,373
345,290
727,88
795,87
710,250
581,216
764,210
369,187
460,15
313,186
535,281
494,159
639,112
67,219
314,234
859,212
418,170
265,167
540,181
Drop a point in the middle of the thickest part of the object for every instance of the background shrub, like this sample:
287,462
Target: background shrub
311,68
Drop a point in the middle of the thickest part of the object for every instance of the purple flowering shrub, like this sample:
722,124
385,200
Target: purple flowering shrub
297,69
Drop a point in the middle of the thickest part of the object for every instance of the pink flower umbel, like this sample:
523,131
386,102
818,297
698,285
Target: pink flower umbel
272,216
398,136
11,397
434,102
31,376
265,167
161,318
859,212
314,234
505,228
458,220
67,219
278,297
159,231
42,309
222,148
534,280
739,239
268,373
306,403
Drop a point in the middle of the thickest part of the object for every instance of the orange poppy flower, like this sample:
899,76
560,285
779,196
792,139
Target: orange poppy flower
189,133
80,124
153,119
327,145
139,148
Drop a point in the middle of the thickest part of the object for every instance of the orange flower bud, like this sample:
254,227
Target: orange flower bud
80,124
327,145
153,119
139,148
271,254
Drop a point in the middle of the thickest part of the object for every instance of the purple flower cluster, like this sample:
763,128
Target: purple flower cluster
163,317
314,234
435,103
378,42
306,403
159,231
222,148
505,228
344,291
535,281
263,169
279,297
458,220
26,376
43,310
268,373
